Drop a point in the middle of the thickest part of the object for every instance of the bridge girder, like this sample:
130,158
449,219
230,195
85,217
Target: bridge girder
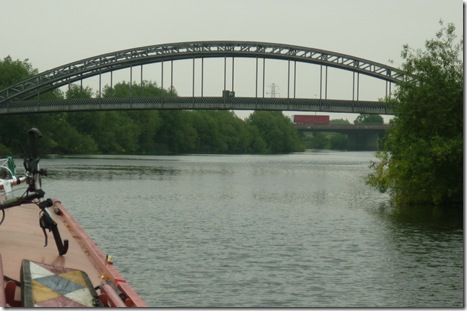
343,128
196,103
104,63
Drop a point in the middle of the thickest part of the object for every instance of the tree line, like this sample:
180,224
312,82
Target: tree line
423,154
141,132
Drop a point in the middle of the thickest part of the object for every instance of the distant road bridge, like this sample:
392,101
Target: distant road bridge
343,128
25,96
358,135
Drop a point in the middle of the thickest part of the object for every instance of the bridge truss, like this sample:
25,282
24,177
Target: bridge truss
16,97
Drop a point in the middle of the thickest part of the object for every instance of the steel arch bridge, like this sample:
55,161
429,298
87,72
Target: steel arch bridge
19,98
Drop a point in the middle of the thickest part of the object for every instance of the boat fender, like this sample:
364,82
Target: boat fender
112,295
57,211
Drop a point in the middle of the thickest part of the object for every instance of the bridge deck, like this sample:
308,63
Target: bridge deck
343,128
196,103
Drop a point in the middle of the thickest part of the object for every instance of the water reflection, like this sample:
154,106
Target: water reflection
422,216
424,244
269,231
109,172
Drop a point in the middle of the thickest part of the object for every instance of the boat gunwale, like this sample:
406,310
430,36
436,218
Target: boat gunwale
108,271
2,285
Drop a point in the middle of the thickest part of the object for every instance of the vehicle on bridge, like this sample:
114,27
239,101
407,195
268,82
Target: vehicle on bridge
310,119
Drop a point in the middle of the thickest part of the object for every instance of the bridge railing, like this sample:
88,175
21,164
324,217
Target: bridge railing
196,103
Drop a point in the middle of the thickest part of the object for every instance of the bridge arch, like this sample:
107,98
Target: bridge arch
89,67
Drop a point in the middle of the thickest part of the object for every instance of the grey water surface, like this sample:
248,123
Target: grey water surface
297,230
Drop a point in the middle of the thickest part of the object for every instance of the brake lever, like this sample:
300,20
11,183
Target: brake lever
43,224
46,222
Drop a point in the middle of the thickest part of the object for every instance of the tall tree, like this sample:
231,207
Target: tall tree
13,127
422,158
14,71
148,121
176,134
278,131
365,118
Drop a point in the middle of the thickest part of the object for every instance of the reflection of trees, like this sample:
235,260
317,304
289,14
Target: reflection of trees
422,254
93,173
422,216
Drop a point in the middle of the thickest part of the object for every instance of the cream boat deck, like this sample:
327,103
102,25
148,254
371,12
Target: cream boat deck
22,238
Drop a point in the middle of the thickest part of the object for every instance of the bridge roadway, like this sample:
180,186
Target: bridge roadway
195,103
343,128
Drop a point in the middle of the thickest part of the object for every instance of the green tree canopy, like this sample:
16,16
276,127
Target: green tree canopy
139,131
339,121
422,157
278,131
366,118
14,71
59,136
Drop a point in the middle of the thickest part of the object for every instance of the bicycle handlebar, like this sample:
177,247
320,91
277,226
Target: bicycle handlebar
17,201
34,192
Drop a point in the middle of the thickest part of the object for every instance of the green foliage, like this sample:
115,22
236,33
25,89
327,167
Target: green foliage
59,136
339,121
145,89
422,157
224,132
75,91
140,132
338,142
278,131
319,141
326,140
176,134
365,118
13,71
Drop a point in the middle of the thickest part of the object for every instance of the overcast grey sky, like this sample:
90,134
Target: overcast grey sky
51,33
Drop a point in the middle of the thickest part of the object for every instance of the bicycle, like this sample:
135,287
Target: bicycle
34,193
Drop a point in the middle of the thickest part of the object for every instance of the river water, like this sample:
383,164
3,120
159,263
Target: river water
298,230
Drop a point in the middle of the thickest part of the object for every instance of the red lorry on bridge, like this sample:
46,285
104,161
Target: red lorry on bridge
310,119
